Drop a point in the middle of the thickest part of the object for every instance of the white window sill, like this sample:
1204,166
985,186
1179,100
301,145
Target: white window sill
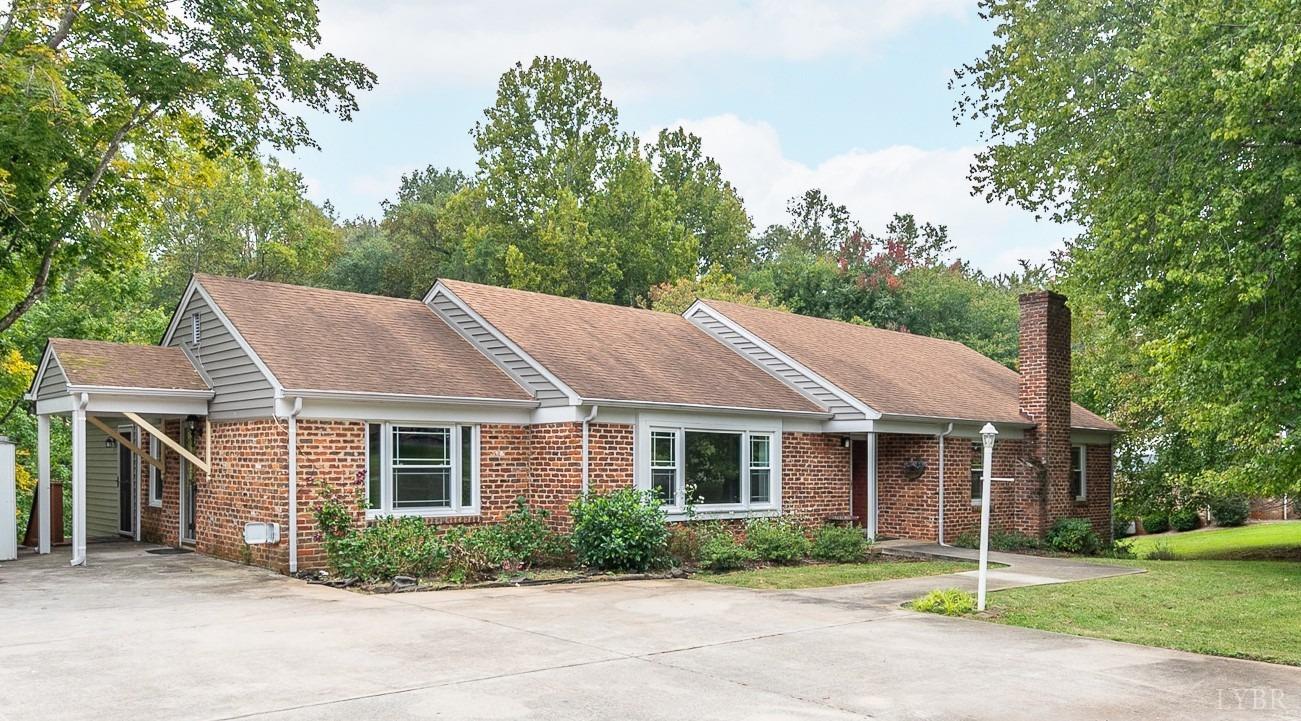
722,514
372,514
155,504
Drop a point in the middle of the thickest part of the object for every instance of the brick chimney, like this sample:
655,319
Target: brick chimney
1044,356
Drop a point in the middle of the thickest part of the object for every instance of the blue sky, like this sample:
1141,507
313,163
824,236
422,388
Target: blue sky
848,97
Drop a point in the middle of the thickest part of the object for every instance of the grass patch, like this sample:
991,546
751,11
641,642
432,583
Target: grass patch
1257,541
1241,609
815,575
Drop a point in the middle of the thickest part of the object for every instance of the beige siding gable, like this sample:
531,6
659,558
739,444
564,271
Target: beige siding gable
240,387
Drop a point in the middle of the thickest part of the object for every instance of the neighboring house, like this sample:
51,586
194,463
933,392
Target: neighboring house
262,396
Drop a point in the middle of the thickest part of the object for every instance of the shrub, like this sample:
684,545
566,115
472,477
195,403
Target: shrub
1119,549
1156,522
684,544
526,538
387,548
840,544
621,530
776,540
474,554
720,551
999,540
1120,527
1230,510
1161,552
1184,519
949,601
1074,535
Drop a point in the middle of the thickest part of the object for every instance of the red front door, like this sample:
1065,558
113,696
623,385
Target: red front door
858,482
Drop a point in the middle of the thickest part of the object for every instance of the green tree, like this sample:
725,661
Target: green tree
1168,130
563,201
422,251
93,93
240,217
710,207
677,297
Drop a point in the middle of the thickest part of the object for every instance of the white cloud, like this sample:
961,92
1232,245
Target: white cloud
874,184
634,45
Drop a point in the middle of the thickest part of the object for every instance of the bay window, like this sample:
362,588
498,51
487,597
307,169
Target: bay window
724,470
422,470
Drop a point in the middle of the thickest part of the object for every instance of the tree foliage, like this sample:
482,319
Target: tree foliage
1168,130
93,94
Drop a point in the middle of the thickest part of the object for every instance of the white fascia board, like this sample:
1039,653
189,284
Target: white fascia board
187,393
146,405
440,289
696,407
408,398
197,287
409,412
848,398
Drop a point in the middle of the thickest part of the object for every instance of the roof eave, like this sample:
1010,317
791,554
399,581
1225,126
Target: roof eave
310,393
663,405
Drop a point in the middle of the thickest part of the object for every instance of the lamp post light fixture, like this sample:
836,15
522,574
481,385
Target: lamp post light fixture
987,436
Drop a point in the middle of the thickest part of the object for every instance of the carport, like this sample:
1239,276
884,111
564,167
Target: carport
116,397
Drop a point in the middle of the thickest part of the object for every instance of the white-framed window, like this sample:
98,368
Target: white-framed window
977,473
1079,481
155,476
723,469
426,470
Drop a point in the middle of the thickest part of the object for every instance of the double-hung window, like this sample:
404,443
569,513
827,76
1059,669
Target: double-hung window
422,470
723,470
977,473
1079,485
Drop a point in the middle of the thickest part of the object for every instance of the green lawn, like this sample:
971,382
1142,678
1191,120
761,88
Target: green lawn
1243,609
832,574
1263,541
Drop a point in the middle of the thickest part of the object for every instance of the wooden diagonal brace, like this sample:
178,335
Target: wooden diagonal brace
198,463
138,450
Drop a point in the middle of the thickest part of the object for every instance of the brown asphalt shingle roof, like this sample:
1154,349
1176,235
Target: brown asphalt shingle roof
123,365
329,340
611,352
897,373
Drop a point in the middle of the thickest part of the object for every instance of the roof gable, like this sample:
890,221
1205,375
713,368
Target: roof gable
896,373
328,340
613,353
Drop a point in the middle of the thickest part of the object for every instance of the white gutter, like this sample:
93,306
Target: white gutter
820,415
590,417
408,398
941,436
293,485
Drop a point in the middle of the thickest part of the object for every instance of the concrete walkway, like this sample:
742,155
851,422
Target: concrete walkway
136,636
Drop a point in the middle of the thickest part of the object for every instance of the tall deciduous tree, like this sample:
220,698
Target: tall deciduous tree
239,217
710,207
86,86
1169,131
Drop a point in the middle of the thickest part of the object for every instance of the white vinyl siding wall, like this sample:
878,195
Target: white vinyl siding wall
240,387
546,392
777,367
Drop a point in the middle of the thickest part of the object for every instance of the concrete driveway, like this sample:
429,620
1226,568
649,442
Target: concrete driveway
139,636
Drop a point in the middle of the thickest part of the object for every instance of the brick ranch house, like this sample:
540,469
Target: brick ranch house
261,395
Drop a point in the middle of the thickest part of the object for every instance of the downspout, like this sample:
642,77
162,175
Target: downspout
590,416
293,484
941,436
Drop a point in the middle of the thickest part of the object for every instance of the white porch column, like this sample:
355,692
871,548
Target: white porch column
43,475
79,481
8,501
871,486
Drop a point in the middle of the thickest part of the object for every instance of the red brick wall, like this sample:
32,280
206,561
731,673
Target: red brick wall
815,476
909,508
556,463
1044,359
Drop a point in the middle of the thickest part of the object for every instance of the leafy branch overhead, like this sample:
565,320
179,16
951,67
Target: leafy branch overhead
93,87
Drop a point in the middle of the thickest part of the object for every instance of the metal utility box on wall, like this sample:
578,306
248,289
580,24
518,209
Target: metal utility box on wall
257,533
8,501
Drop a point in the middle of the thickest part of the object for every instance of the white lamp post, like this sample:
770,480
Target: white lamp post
987,436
